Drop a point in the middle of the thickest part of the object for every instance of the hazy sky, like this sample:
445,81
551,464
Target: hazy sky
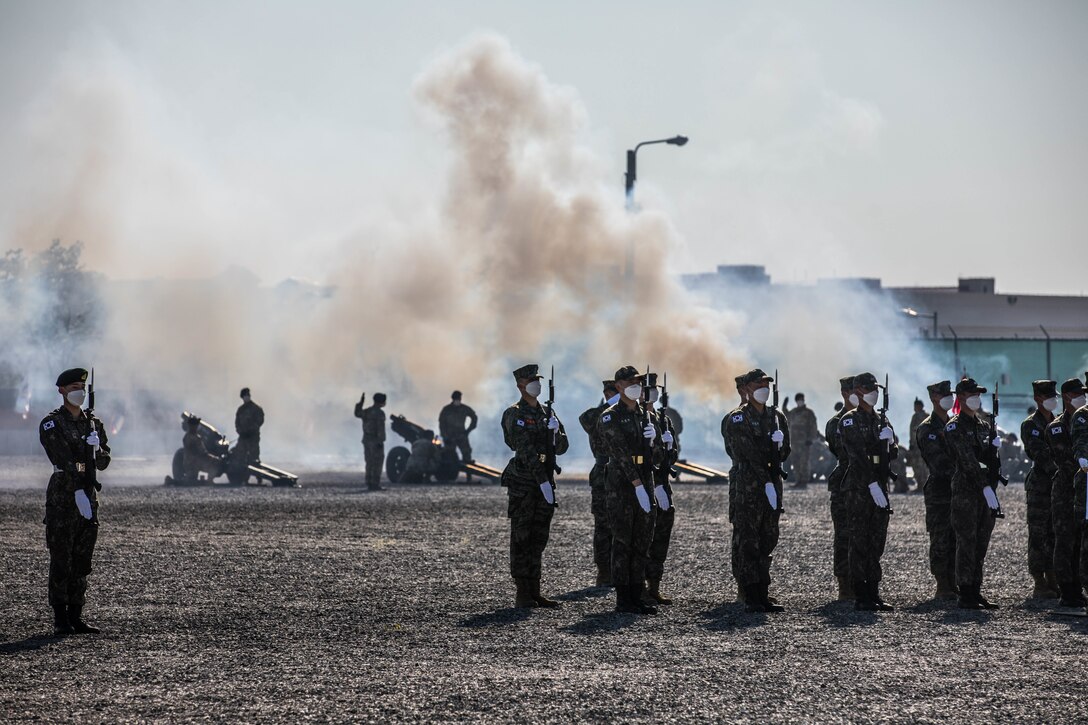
914,141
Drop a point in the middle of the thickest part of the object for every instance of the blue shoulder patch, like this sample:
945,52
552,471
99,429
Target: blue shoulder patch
1080,420
48,425
605,418
1035,432
950,426
1057,429
521,422
847,422
933,436
737,418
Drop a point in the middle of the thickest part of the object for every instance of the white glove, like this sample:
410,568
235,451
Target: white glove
997,442
667,439
887,434
643,498
772,495
878,495
662,497
549,493
83,504
777,437
991,498
92,439
1083,464
649,433
553,423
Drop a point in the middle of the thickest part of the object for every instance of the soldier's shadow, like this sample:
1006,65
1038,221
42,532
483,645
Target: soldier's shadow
579,595
841,615
1075,624
955,615
731,617
31,643
497,618
601,622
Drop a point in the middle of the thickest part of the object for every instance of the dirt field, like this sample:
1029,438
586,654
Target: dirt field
327,603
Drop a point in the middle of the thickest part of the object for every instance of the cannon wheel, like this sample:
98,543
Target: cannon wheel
395,463
449,466
177,466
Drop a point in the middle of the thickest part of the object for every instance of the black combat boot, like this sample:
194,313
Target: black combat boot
874,593
623,600
846,589
75,619
1042,589
524,597
753,598
61,625
770,604
1071,596
604,576
636,600
540,599
969,597
863,599
653,591
985,604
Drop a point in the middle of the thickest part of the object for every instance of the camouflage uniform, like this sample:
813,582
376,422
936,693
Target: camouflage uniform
248,421
916,457
632,528
804,430
755,523
196,458
69,536
859,432
1067,520
598,479
373,443
451,426
732,494
525,430
422,462
663,524
1079,436
840,514
972,521
1037,487
931,444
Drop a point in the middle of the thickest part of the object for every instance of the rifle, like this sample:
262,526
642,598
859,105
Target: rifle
549,454
884,473
646,470
666,466
993,465
90,475
778,475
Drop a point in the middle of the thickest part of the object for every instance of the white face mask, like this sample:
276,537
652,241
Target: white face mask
533,388
853,399
1078,402
974,402
633,392
76,397
871,398
761,395
947,402
654,395
1051,404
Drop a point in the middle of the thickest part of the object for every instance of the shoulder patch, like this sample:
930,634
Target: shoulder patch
606,417
737,418
48,425
1056,429
950,426
847,422
1035,432
933,436
1080,420
521,422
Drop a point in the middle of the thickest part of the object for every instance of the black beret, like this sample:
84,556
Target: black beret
75,375
243,393
456,395
846,383
968,385
1073,385
866,380
527,372
1044,388
628,372
379,397
942,388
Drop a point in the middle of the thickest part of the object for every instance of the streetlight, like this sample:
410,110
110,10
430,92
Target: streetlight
629,187
911,312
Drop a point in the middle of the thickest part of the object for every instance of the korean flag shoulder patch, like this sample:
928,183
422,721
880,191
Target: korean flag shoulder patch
933,436
847,422
950,426
49,425
739,417
521,422
606,417
1035,432
1057,429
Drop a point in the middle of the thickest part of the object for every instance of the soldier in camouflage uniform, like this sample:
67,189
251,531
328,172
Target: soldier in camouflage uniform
248,421
758,440
598,476
1068,521
915,457
929,440
733,566
528,431
1079,439
666,503
805,431
455,422
68,436
973,516
840,517
861,440
373,439
634,445
1037,487
195,455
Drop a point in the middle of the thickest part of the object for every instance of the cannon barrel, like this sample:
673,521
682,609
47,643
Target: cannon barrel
406,429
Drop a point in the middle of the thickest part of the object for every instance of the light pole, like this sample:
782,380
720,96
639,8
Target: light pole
629,187
911,312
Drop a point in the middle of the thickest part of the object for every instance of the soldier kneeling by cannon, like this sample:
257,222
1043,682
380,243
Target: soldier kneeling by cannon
206,454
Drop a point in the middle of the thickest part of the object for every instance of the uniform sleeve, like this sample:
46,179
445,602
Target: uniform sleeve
963,455
102,456
745,448
359,409
521,440
933,447
785,450
260,416
588,420
1079,435
857,447
56,448
1036,447
562,443
1060,450
831,435
614,445
472,417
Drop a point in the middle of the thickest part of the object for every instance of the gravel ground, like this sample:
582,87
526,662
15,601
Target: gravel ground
328,603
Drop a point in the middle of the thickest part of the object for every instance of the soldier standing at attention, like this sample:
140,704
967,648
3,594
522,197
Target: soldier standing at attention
1079,439
373,439
1037,488
733,566
930,443
840,516
248,421
804,430
529,432
915,458
758,439
666,504
972,513
72,440
451,425
866,500
1068,521
598,478
629,435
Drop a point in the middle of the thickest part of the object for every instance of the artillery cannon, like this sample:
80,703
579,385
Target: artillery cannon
433,457
222,458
